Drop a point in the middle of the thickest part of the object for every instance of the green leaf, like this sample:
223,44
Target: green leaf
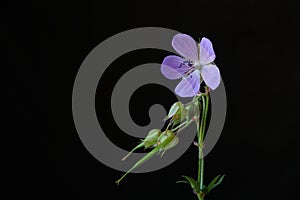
182,182
194,184
214,183
219,182
204,190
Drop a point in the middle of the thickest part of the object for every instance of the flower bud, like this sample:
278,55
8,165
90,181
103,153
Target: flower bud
152,138
172,144
174,108
177,112
173,140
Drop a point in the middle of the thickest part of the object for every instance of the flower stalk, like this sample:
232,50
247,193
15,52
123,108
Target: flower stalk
201,124
196,66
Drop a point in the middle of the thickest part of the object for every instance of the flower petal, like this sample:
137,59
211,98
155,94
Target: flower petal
172,67
206,51
211,76
186,46
189,86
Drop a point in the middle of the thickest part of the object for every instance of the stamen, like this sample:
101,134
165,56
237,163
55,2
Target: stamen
186,62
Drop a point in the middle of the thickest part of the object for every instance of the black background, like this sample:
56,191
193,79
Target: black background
255,46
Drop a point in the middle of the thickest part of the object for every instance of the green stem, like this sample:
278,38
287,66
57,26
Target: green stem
200,136
205,114
179,126
201,130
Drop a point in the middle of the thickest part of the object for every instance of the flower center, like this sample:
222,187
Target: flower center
198,65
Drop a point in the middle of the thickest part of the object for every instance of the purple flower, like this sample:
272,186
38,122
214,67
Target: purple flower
193,67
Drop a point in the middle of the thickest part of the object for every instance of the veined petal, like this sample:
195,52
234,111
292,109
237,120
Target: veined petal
189,86
186,46
211,76
173,67
206,51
